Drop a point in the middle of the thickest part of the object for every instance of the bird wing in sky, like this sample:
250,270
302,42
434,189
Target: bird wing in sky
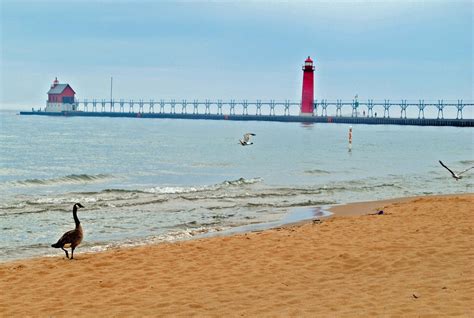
454,175
247,136
465,170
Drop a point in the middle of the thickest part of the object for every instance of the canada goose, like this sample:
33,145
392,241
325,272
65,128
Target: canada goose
455,175
245,141
71,238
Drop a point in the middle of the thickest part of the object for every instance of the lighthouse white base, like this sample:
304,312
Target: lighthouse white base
60,107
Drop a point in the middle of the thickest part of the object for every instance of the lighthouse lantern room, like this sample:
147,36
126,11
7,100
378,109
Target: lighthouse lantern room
60,98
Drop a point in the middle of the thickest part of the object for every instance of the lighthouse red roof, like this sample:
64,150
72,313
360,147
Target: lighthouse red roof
59,88
309,60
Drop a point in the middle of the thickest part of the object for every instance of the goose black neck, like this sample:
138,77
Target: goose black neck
74,214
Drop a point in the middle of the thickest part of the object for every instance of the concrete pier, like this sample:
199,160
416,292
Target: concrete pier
276,118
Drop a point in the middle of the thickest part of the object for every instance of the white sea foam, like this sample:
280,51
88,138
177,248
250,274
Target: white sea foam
172,190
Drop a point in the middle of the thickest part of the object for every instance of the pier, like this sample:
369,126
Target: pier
386,112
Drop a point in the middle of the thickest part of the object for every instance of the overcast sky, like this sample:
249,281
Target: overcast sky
236,49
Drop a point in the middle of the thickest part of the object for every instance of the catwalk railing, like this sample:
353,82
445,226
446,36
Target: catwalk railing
324,107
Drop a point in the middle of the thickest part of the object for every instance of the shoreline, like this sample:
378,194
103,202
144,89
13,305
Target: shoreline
415,259
295,216
365,207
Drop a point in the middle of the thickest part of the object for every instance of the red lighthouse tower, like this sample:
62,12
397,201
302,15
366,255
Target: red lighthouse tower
307,97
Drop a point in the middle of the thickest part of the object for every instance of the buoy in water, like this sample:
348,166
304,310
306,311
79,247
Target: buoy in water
350,138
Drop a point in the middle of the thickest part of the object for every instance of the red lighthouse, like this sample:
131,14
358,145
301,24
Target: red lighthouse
60,98
307,97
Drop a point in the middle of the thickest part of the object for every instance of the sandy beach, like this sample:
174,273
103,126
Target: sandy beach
414,260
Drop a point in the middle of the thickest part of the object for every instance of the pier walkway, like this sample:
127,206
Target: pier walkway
384,112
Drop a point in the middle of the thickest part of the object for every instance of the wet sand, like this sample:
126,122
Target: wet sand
415,259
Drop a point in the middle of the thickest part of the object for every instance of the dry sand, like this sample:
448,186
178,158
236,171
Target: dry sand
414,260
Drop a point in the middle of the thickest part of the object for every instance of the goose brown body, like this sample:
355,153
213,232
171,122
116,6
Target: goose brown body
71,238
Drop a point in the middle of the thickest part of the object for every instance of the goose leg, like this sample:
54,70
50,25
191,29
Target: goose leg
67,254
72,252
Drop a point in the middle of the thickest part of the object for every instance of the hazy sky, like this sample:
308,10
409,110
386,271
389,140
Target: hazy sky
236,49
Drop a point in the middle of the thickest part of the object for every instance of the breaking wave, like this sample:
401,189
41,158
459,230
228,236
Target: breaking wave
72,178
238,194
316,171
224,184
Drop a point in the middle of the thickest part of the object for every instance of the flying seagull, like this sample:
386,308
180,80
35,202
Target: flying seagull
455,175
246,140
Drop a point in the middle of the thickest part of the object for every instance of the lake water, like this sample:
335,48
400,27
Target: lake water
151,180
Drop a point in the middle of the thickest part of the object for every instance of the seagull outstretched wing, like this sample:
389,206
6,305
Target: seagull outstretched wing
247,136
465,170
454,175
